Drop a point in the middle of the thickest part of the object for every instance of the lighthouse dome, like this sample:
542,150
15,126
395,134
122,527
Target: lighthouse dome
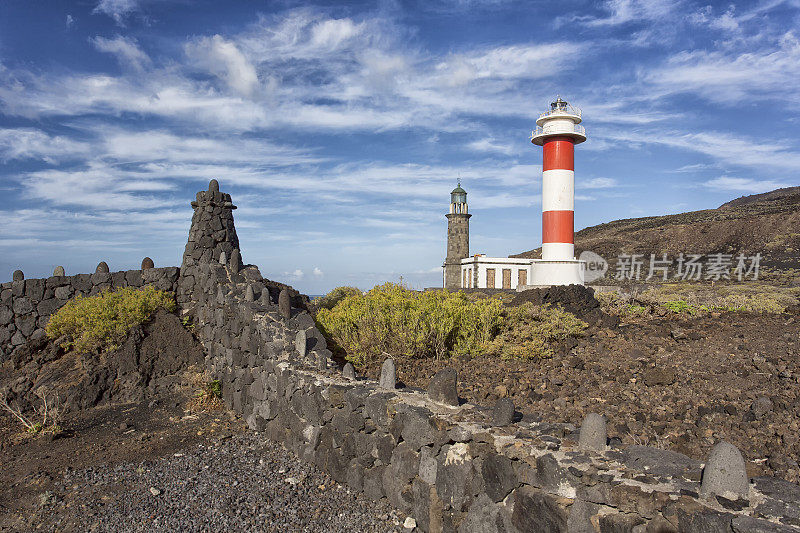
458,195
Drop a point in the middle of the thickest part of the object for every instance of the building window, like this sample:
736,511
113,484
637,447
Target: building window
523,278
490,278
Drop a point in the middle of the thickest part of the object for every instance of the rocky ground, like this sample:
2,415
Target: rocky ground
135,451
677,382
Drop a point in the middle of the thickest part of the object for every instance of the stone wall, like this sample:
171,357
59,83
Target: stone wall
26,304
452,468
455,467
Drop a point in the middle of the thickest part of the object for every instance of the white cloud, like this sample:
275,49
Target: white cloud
29,143
732,76
489,144
722,147
117,9
126,49
726,183
317,272
222,58
70,21
597,183
331,34
507,62
624,11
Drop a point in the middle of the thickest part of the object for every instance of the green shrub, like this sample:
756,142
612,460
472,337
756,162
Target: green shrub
390,318
102,321
338,294
530,330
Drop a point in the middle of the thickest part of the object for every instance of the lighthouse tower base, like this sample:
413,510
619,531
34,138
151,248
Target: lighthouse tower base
548,273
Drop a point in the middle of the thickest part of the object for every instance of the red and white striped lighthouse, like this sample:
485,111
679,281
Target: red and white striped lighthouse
558,130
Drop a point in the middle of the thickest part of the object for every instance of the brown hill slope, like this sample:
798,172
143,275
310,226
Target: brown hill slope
768,223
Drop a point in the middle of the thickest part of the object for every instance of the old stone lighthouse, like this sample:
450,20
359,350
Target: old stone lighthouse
457,237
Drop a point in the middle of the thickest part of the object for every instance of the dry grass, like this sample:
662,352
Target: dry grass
699,299
207,392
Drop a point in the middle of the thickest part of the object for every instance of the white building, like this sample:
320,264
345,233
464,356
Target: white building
481,272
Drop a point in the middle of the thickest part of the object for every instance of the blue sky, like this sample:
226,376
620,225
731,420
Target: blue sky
340,128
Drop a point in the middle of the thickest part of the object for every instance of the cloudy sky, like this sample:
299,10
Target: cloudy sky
340,128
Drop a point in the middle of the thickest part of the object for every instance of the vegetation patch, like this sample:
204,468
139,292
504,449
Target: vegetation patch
700,299
529,331
437,324
390,318
208,392
43,420
338,294
103,321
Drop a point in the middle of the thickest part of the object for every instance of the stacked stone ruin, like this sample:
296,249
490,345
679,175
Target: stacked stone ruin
453,466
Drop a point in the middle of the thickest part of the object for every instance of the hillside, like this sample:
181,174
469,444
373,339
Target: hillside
768,223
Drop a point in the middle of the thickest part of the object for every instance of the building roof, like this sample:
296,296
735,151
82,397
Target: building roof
458,190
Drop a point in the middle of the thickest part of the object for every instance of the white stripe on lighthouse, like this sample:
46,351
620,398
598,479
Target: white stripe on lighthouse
558,190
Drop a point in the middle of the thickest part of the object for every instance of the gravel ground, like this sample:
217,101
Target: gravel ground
241,483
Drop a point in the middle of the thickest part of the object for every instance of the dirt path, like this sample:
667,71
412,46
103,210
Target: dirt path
208,472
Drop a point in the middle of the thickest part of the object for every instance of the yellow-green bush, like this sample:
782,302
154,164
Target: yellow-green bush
102,321
390,318
530,330
330,300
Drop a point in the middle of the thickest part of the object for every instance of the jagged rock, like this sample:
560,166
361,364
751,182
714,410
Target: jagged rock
532,506
593,433
664,463
223,259
443,387
725,473
301,343
213,186
59,271
147,263
503,412
499,477
285,304
102,268
388,378
249,295
18,275
235,262
348,371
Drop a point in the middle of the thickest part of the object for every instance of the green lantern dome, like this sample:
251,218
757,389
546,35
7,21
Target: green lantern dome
458,195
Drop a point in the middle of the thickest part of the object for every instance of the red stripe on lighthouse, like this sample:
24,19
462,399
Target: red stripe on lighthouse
557,226
559,153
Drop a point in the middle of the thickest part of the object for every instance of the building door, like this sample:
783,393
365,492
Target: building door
506,278
490,278
523,278
464,276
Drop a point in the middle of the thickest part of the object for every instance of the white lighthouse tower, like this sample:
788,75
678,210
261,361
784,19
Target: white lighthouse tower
557,131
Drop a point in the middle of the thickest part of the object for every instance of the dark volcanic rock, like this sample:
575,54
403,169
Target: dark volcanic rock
284,304
444,387
144,365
